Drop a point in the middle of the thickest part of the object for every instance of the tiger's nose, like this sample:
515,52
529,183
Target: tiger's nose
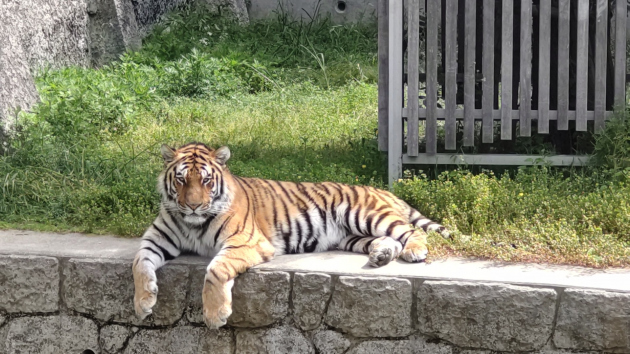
193,206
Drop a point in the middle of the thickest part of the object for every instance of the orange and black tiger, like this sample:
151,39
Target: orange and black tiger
243,222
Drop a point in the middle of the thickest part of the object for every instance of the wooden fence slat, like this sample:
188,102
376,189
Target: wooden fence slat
544,55
601,46
383,81
621,13
433,18
487,100
395,74
470,26
507,40
525,126
413,43
450,127
563,63
581,66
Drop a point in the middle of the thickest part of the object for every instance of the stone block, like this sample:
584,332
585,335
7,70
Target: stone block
259,299
371,307
491,316
593,320
113,338
181,340
104,289
311,292
330,342
29,284
51,334
382,346
279,340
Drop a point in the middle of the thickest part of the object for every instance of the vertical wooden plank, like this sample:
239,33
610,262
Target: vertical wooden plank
544,57
581,66
433,18
487,101
450,53
470,26
621,13
413,43
394,113
383,81
564,13
526,69
507,42
601,46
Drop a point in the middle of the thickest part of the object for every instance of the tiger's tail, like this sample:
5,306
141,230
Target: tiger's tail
420,221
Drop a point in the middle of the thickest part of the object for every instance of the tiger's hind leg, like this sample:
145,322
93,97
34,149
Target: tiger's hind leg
381,250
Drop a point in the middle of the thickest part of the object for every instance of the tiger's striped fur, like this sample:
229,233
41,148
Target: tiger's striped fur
246,221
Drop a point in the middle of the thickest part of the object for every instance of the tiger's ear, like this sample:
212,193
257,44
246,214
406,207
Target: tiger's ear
168,153
222,154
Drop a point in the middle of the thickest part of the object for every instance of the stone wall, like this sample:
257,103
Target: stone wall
84,305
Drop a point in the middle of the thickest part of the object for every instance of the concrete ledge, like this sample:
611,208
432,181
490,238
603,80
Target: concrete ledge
66,293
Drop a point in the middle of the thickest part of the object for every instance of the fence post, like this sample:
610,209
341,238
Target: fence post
395,97
383,68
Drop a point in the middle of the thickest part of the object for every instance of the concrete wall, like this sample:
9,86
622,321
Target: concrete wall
57,296
340,11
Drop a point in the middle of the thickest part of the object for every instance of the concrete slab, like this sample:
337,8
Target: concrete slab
457,269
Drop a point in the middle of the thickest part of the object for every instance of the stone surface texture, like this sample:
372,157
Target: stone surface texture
181,340
311,292
260,299
385,304
491,316
277,340
113,338
89,306
29,284
51,334
330,342
593,320
104,289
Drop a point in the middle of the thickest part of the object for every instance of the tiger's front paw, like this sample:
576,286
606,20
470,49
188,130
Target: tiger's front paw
145,296
414,252
215,318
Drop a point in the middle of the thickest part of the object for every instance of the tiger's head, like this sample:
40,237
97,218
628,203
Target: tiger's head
192,183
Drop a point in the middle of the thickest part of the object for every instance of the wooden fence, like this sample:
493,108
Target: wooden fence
518,67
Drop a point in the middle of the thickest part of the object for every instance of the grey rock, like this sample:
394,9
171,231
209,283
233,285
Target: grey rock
279,340
29,284
382,347
113,29
388,301
593,320
311,292
232,8
2,320
259,299
3,341
52,32
149,12
417,345
113,338
330,342
104,289
490,316
52,334
17,88
181,340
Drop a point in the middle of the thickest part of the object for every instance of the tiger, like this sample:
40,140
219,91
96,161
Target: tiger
242,222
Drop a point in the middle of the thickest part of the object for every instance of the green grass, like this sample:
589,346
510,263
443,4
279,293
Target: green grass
293,101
